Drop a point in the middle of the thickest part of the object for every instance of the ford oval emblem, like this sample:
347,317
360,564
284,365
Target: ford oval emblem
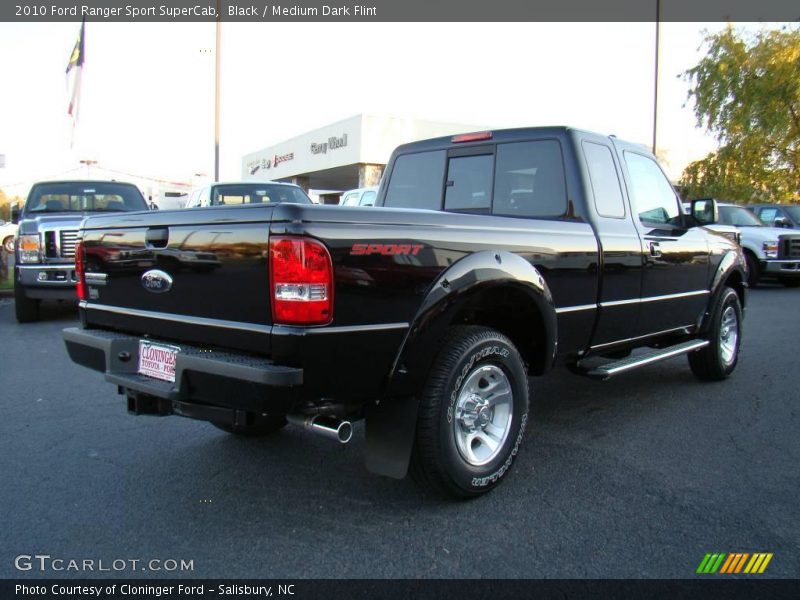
157,281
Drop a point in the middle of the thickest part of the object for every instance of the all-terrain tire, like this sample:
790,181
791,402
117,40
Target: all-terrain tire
477,380
718,360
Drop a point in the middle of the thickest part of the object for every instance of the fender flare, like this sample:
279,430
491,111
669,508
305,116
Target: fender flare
391,422
732,261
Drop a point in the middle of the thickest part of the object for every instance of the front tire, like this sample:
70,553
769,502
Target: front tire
472,414
255,426
717,361
26,309
8,244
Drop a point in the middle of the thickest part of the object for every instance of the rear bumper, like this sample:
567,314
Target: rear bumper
781,268
209,384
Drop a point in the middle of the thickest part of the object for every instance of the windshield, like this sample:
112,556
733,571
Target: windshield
738,217
258,193
91,196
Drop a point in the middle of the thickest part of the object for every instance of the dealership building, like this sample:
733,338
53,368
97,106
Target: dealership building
341,156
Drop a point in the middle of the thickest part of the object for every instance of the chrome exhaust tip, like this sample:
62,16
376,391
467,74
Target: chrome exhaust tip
331,427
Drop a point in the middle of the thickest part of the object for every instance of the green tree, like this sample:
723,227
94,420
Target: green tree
5,212
746,91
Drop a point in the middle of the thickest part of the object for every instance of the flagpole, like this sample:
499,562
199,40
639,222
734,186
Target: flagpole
217,70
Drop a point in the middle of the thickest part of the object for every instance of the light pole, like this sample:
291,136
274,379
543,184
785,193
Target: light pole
655,78
88,162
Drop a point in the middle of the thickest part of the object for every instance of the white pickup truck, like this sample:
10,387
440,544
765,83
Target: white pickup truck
771,252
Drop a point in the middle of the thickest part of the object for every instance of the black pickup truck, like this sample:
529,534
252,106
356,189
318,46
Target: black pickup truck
493,257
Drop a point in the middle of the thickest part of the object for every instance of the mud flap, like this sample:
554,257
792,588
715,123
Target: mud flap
390,428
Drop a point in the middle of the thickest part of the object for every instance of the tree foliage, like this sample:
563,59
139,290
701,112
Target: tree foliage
746,91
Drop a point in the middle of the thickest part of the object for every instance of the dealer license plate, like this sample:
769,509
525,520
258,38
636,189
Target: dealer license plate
157,360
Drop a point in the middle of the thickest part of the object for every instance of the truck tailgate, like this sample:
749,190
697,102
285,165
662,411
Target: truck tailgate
188,275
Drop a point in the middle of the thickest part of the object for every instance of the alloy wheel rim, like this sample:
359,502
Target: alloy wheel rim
483,414
728,335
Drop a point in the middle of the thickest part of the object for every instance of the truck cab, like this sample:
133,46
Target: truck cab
246,192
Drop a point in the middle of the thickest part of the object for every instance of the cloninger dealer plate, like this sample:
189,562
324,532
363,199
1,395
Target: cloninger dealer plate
157,360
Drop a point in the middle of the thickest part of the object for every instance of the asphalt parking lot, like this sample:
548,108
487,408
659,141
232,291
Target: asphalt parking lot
639,476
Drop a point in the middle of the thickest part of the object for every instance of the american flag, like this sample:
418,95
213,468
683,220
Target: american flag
74,73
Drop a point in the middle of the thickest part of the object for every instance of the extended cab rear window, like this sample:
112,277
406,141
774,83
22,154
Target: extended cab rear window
417,181
517,179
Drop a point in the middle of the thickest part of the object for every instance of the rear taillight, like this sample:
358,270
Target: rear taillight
79,271
301,281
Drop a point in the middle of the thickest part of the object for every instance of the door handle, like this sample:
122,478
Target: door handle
156,237
655,249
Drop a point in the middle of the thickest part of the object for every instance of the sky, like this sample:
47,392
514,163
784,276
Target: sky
147,104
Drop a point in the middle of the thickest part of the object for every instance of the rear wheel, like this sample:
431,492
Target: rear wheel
8,244
472,414
255,425
26,309
718,360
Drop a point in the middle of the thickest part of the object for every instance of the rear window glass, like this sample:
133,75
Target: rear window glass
529,180
416,181
258,194
469,184
93,196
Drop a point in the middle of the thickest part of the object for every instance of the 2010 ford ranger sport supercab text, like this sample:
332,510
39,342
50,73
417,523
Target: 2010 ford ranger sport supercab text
491,257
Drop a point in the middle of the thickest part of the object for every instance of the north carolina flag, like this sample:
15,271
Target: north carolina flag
74,73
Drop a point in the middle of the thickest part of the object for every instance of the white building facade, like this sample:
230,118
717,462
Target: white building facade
344,155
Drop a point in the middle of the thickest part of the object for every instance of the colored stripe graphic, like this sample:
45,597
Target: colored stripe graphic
710,563
764,564
732,563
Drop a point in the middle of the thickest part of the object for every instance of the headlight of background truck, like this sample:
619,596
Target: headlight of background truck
770,249
30,248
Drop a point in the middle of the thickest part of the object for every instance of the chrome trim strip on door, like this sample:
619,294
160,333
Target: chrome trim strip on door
656,298
580,307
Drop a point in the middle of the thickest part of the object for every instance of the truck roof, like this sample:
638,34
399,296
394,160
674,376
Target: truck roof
497,135
84,181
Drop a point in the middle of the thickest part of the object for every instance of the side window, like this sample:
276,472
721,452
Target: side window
652,194
768,215
469,184
204,196
350,200
193,199
529,180
416,181
605,182
368,199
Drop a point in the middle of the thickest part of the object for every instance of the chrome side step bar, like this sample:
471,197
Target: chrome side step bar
634,362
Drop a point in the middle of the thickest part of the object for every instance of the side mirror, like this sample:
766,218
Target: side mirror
706,211
15,213
782,222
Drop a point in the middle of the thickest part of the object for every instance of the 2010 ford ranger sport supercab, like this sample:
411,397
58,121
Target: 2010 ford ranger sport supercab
494,256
